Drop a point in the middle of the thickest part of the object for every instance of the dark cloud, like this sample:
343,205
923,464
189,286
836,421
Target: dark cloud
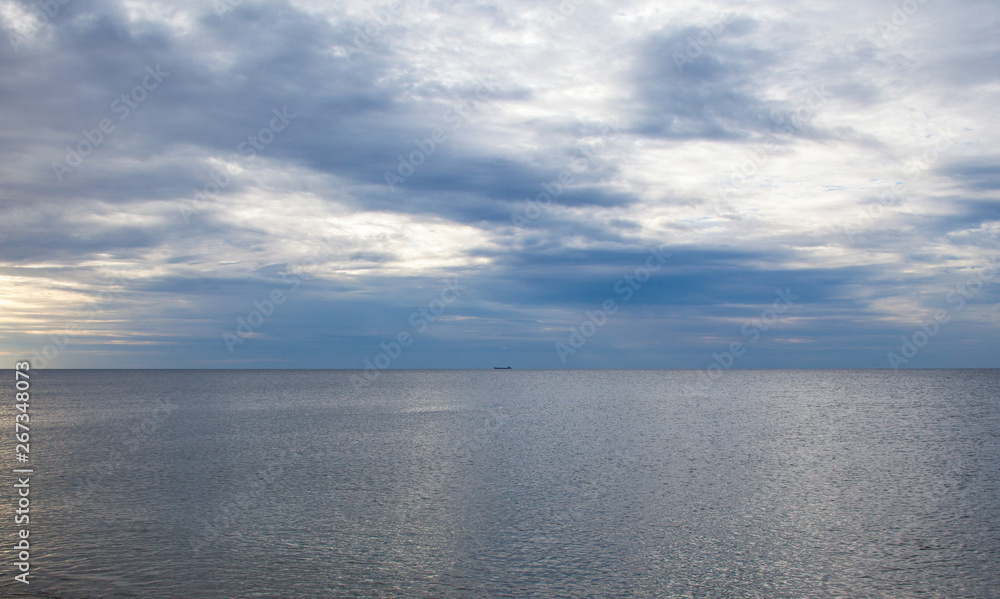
976,175
700,82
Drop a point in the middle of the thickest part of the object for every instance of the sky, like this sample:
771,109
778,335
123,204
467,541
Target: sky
437,184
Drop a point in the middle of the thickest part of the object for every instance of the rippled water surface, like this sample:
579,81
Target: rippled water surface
510,484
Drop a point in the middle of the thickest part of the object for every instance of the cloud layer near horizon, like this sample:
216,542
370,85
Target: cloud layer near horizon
169,168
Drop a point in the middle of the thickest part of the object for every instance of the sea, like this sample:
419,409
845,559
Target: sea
505,483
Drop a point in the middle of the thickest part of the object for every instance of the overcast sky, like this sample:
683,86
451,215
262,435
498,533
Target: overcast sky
597,184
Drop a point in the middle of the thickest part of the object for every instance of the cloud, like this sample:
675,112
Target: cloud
369,153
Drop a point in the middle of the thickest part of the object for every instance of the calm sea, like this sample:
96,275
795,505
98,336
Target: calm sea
281,483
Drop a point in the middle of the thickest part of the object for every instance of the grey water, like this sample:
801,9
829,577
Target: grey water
498,483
